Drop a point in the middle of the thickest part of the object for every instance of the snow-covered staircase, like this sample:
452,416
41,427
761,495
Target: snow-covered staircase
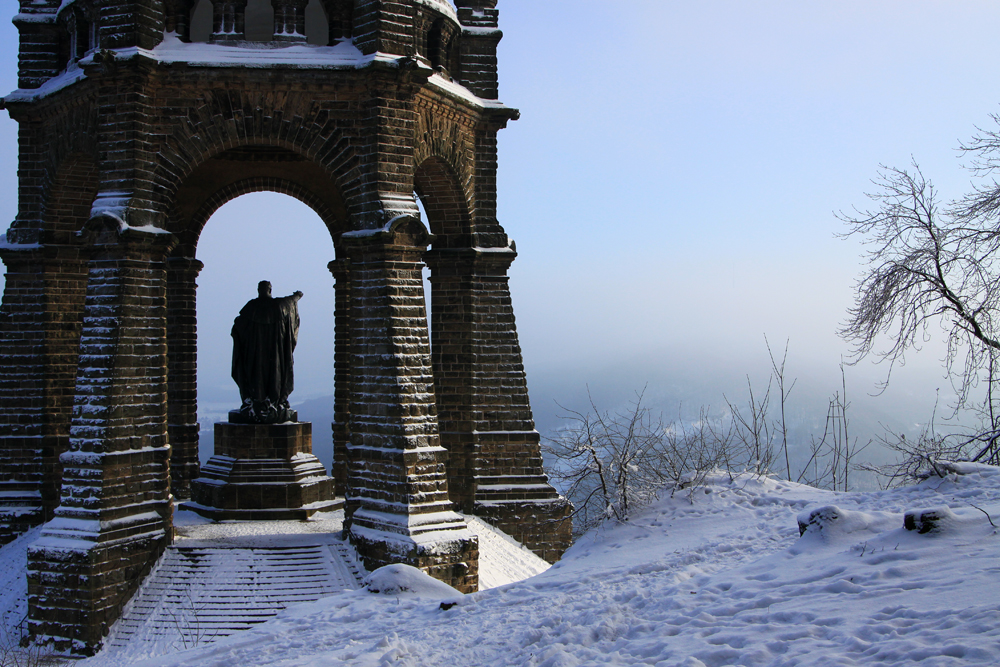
202,591
220,578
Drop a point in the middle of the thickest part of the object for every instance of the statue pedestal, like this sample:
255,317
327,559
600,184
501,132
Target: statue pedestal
262,472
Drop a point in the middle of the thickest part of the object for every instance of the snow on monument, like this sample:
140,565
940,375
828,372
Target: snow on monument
140,119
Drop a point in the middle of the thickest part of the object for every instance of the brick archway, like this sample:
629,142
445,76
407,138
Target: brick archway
212,184
403,100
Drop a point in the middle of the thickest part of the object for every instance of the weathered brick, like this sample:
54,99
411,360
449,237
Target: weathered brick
98,387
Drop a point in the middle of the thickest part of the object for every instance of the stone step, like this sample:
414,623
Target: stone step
198,594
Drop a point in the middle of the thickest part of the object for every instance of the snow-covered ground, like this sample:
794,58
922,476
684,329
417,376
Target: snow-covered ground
720,578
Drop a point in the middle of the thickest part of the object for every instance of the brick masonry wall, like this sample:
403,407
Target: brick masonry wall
182,373
39,338
495,462
165,145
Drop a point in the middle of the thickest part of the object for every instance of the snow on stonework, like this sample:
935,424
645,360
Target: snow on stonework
400,579
744,571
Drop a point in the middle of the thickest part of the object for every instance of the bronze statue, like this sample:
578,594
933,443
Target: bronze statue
264,337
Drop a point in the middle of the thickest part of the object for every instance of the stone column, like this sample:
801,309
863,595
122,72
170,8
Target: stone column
341,373
495,462
182,372
39,346
228,21
397,507
115,517
177,18
289,21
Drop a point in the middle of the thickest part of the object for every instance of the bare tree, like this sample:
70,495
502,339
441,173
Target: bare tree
929,265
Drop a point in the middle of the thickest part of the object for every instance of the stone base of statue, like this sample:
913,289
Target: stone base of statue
262,472
255,413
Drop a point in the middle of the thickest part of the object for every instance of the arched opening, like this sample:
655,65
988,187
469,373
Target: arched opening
201,21
259,21
426,272
266,236
317,24
435,45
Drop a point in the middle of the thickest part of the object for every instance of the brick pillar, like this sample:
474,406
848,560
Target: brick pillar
341,373
38,55
39,345
115,516
495,462
127,23
397,493
478,55
341,16
384,26
182,373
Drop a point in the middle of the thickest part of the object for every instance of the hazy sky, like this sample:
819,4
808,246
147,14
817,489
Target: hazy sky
671,188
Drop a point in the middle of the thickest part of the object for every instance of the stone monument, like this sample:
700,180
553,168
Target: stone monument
263,467
138,119
264,338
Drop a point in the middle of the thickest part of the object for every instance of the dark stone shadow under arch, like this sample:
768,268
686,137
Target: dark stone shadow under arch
448,214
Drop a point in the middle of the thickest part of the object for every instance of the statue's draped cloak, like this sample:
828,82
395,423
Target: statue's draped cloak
264,337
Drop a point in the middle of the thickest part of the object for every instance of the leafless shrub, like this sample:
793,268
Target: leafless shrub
832,456
611,464
603,462
687,454
16,649
919,458
753,429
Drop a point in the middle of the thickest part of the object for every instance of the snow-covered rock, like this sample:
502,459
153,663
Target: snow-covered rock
400,579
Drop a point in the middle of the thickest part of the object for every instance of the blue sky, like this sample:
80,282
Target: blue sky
671,188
